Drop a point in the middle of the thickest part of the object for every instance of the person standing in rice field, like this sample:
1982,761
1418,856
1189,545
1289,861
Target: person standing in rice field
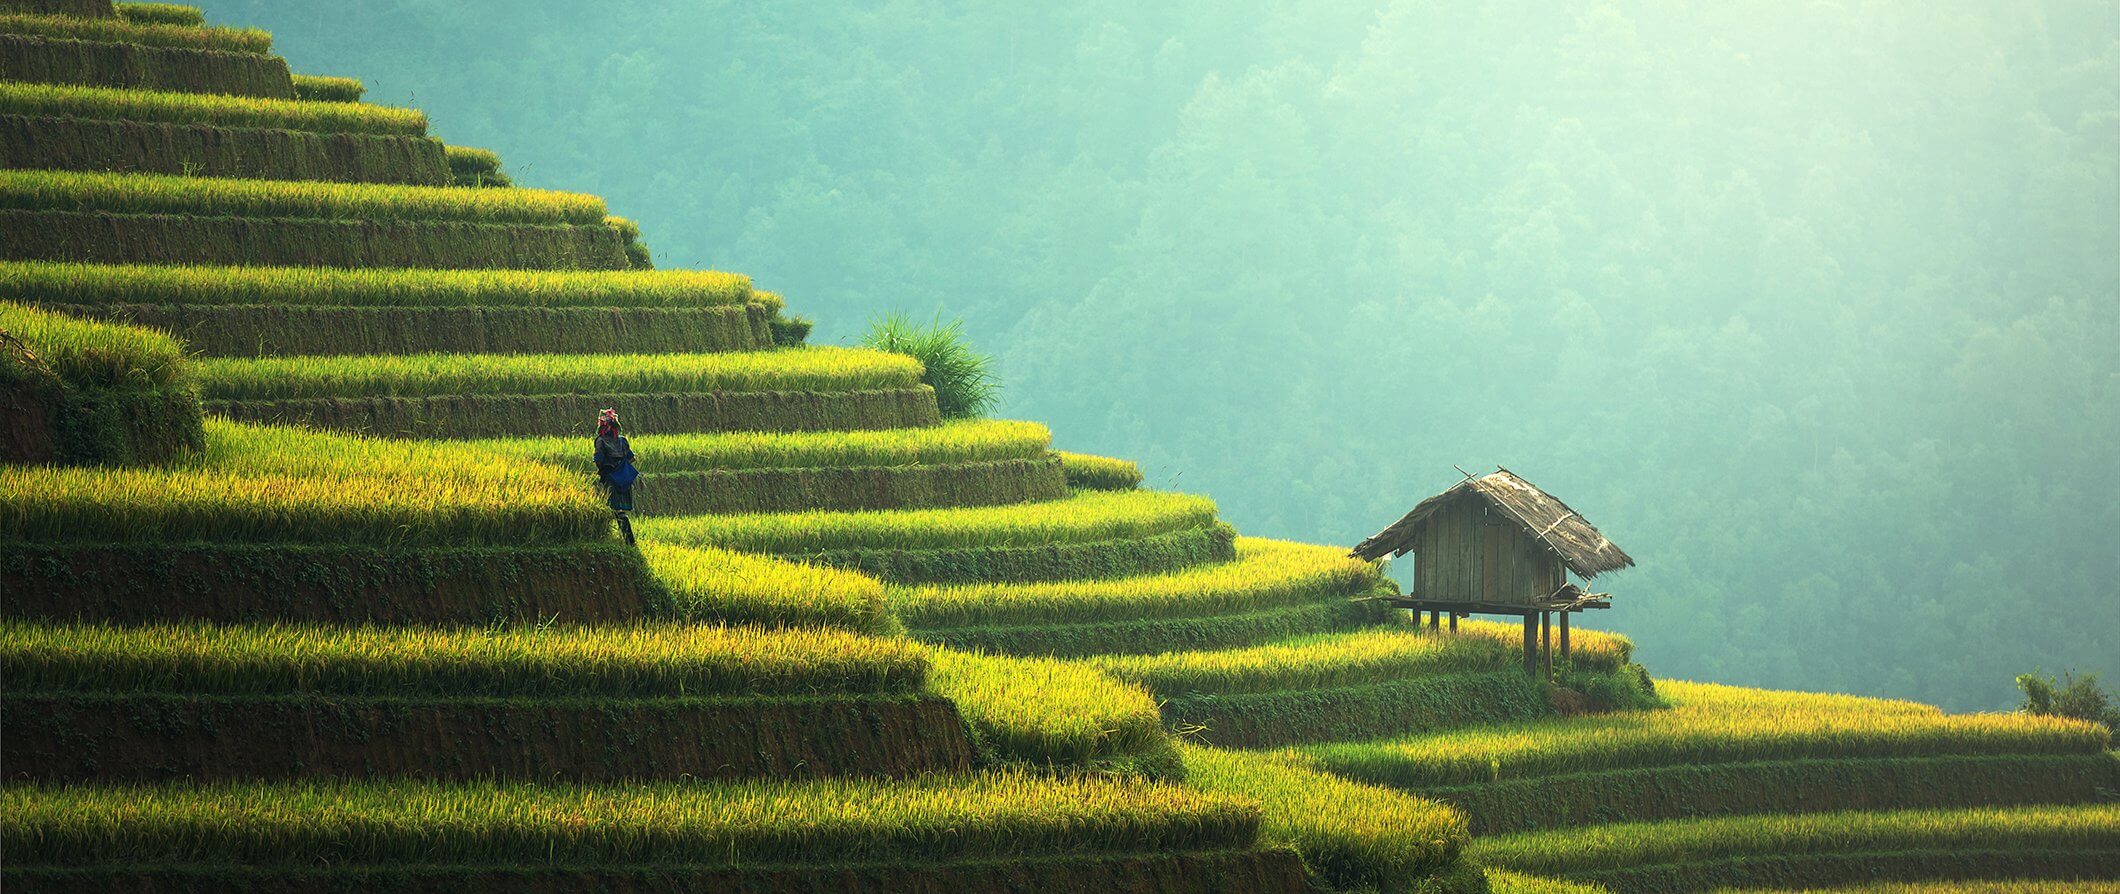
614,469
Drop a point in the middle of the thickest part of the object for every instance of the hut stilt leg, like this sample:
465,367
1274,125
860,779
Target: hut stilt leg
1545,637
1564,636
1453,622
1435,620
1530,644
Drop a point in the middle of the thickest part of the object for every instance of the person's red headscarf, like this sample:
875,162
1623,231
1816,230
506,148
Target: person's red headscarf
606,422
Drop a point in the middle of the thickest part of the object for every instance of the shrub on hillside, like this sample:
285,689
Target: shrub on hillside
2074,696
962,378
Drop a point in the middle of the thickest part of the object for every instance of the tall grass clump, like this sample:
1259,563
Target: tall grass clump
52,282
48,100
2074,696
84,393
620,661
1082,518
1707,724
961,441
1047,712
430,375
162,14
962,378
1098,472
320,88
1353,837
257,484
707,584
1266,574
89,354
128,30
162,194
939,818
482,167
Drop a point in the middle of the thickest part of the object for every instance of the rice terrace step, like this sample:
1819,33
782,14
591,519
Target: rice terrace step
309,579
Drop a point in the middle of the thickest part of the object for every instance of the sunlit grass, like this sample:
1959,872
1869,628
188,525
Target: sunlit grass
126,29
225,197
1321,661
89,354
427,375
708,584
1082,518
959,441
98,284
207,108
1047,711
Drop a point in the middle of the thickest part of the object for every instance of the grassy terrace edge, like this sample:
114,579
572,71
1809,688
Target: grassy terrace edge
821,369
65,100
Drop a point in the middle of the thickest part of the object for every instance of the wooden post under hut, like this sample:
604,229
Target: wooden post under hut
1497,545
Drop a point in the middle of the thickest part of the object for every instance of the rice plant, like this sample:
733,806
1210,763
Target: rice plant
321,88
1634,845
707,584
90,354
261,484
426,375
81,191
1707,724
645,661
683,824
161,14
1322,661
1266,573
1099,472
99,284
1078,519
127,29
962,378
1044,711
482,167
961,441
1502,881
1356,837
34,100
2007,886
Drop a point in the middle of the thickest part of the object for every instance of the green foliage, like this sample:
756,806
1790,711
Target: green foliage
852,489
1099,472
498,415
281,485
1052,713
1778,786
63,283
80,8
162,14
707,584
321,88
88,354
791,332
1353,837
482,167
1266,573
1708,724
134,66
205,108
2077,697
1325,661
281,330
648,661
959,441
1502,881
1082,518
424,375
77,392
686,824
291,241
962,378
1399,707
102,144
80,191
1627,846
129,30
2015,886
1148,635
1037,562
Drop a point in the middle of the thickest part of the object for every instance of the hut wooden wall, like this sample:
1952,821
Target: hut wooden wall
1468,551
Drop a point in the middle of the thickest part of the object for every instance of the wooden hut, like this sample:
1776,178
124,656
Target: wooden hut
1496,544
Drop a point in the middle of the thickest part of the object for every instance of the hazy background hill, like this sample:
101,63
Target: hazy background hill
1814,307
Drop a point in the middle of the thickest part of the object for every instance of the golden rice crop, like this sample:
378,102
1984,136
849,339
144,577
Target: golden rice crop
680,824
161,14
427,375
96,284
1082,518
84,191
1502,881
708,584
94,355
643,661
323,88
207,108
1099,472
271,484
151,34
1047,711
1592,648
1627,845
1708,724
956,441
1320,661
1266,573
1357,837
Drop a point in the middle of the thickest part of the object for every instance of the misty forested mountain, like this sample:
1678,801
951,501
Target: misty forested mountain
1813,307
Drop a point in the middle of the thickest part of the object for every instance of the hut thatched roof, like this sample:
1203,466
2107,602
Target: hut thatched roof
1585,551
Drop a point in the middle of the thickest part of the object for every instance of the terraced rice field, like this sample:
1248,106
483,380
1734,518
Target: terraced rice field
53,282
130,31
956,441
53,100
78,191
435,375
1086,517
